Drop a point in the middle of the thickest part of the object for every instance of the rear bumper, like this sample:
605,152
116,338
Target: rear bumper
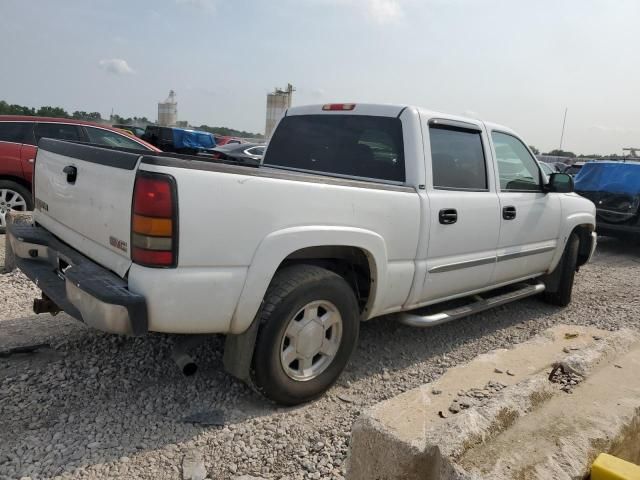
80,287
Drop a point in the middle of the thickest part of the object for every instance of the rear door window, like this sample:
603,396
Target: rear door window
16,132
457,158
108,138
345,145
59,131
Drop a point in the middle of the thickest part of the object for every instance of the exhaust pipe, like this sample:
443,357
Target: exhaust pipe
180,355
185,363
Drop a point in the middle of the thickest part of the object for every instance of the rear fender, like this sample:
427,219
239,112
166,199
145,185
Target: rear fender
277,246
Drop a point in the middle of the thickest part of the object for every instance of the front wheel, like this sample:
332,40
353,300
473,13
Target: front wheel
309,325
566,270
13,196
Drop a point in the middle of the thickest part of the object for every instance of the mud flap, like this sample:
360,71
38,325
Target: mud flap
238,352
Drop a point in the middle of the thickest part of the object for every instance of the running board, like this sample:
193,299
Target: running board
414,320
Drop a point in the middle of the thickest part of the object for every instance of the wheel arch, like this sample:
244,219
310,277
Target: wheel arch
335,248
583,224
18,180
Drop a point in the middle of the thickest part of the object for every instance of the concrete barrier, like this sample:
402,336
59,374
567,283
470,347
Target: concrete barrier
544,409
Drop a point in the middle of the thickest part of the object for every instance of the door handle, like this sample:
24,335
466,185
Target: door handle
71,172
509,213
448,216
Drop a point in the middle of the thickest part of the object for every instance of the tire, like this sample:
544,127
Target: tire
567,266
304,298
13,196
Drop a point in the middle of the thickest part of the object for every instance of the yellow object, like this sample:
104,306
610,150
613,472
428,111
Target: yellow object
608,467
156,227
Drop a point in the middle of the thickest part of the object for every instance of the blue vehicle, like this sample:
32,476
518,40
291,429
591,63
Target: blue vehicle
614,187
179,140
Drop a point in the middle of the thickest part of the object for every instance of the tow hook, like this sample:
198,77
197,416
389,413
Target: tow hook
45,305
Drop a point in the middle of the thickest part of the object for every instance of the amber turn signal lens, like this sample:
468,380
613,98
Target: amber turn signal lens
156,227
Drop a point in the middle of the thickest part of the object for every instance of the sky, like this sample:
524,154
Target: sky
515,62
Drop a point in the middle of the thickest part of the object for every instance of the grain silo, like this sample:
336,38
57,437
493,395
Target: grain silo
277,103
168,111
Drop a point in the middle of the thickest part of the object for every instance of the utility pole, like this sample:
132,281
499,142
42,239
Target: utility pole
564,121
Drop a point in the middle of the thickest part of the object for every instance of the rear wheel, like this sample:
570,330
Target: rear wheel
567,271
309,328
13,196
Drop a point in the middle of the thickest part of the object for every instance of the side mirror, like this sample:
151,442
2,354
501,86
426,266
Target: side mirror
560,183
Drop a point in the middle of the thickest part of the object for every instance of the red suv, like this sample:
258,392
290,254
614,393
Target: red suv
19,136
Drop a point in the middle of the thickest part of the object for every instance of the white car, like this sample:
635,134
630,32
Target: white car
357,211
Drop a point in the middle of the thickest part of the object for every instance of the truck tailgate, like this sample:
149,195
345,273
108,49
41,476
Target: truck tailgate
83,195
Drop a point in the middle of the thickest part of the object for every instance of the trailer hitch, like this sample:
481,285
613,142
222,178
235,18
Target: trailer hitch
45,305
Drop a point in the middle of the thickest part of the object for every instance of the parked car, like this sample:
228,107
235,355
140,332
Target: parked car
560,167
137,131
247,153
547,168
614,188
351,215
19,136
226,140
574,168
179,140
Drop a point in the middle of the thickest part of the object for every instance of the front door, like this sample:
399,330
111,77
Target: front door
464,225
530,218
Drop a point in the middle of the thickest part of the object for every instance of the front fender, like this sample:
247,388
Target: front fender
277,246
571,222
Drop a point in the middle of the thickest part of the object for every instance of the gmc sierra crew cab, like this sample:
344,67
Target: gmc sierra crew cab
356,211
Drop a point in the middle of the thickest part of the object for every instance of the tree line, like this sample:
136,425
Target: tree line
59,112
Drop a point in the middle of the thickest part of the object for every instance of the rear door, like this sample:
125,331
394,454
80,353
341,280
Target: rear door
84,195
463,214
12,137
530,218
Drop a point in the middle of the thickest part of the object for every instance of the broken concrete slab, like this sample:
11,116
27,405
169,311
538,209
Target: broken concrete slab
407,437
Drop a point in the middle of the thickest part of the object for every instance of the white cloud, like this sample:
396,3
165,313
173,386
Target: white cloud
471,114
207,5
117,66
385,11
615,129
381,12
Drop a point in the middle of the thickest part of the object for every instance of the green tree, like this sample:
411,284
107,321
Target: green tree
534,150
48,111
561,153
6,109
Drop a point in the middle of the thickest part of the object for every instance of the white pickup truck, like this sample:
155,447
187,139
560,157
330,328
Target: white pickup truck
357,211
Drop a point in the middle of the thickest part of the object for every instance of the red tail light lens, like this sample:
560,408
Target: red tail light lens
338,107
153,197
154,221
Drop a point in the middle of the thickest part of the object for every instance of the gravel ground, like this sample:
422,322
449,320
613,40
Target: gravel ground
103,406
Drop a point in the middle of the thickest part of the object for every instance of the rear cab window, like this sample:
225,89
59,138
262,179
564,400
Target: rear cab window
359,146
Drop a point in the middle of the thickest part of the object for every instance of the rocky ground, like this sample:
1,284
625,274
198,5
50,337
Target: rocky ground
93,405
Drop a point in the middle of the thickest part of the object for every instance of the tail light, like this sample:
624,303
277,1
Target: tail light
340,107
154,221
